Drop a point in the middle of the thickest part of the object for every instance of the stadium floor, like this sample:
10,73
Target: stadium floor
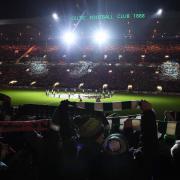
159,102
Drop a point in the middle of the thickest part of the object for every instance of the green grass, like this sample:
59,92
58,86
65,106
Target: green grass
159,102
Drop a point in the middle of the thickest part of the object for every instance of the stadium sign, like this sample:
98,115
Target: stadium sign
118,16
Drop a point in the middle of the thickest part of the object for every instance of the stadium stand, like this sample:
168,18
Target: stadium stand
117,76
77,140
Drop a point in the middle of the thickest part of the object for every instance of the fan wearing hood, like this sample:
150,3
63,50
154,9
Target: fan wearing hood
117,161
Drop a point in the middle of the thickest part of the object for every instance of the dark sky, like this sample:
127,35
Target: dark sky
39,8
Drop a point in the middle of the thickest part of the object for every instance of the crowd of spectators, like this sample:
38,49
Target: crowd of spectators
82,146
56,53
139,65
94,75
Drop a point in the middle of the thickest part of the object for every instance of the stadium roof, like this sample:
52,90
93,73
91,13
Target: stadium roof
64,18
40,8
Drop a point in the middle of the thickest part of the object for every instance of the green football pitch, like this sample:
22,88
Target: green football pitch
160,102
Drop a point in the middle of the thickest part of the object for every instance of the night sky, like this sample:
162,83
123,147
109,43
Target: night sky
39,8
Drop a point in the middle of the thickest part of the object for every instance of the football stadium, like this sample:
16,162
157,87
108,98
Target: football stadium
90,90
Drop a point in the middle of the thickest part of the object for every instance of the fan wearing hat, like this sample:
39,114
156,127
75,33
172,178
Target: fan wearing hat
91,132
88,128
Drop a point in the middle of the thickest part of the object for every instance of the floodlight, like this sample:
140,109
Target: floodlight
159,88
120,56
105,86
159,12
130,87
13,82
81,85
105,56
89,70
101,37
131,71
143,56
32,83
69,37
55,16
56,84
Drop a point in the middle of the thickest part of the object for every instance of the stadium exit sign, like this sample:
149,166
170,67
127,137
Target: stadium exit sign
119,16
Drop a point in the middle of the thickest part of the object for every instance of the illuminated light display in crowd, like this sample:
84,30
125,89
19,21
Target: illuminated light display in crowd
37,68
170,70
83,68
